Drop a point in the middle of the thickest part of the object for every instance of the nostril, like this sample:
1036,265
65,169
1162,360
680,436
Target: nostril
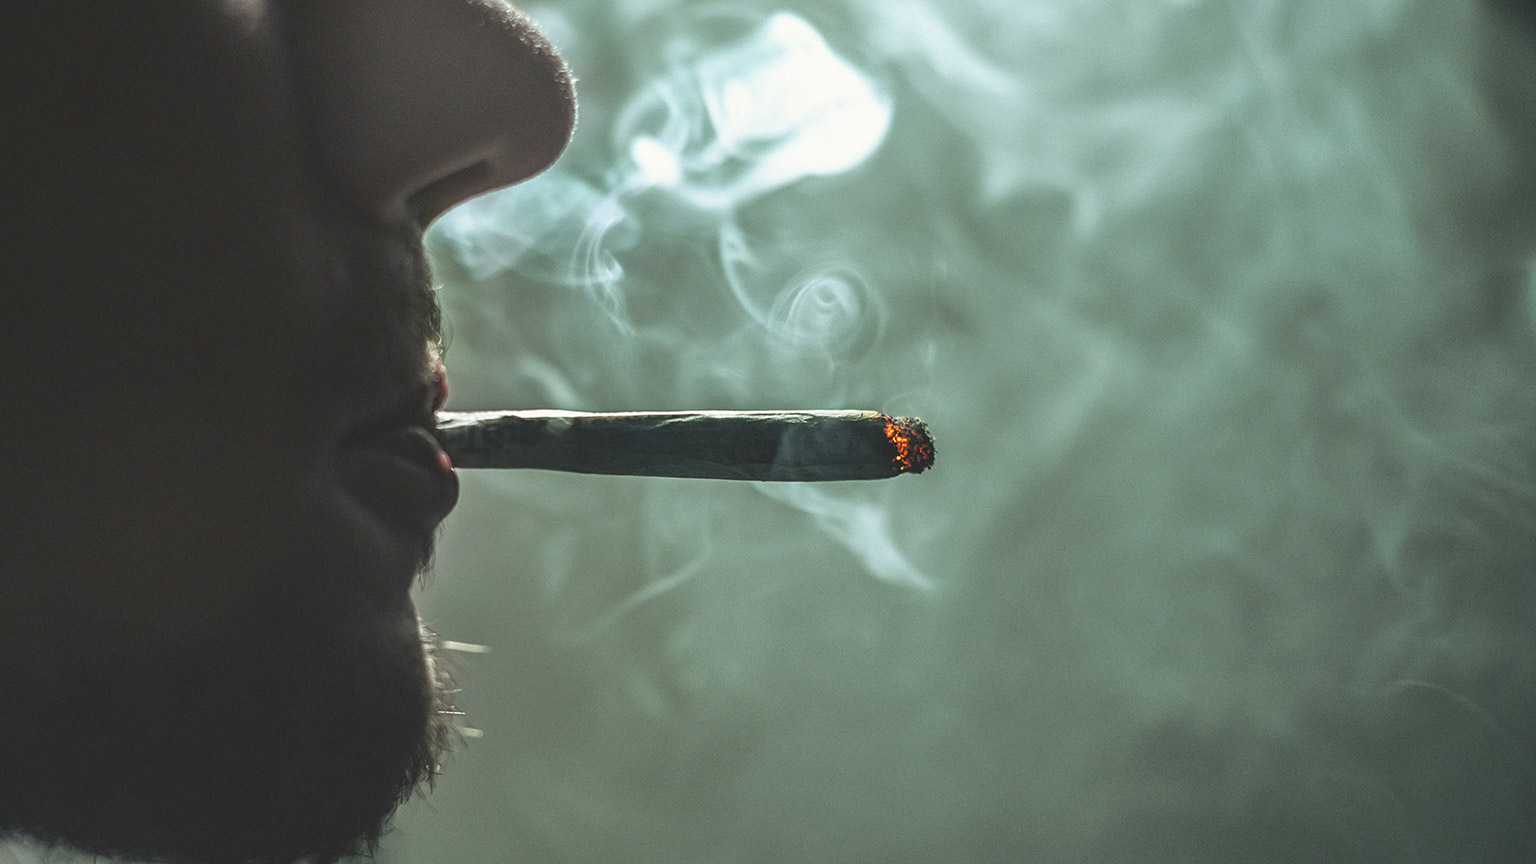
429,202
416,105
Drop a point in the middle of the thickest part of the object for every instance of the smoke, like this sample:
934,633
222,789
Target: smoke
1221,312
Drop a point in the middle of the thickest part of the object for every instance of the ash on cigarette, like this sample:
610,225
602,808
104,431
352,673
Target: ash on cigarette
913,443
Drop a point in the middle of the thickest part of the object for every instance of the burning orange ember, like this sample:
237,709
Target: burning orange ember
913,445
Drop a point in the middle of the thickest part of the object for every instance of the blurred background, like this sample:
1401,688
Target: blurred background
1221,312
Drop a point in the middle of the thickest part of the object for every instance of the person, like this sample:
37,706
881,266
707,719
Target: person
222,363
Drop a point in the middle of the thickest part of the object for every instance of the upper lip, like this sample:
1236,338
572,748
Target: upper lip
416,406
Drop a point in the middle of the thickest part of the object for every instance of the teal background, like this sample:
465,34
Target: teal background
1221,313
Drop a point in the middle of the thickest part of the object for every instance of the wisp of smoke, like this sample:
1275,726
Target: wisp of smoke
1222,314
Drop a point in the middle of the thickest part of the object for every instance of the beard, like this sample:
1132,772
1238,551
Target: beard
292,734
210,653
220,663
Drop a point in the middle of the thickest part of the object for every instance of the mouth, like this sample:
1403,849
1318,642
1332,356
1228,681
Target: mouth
393,465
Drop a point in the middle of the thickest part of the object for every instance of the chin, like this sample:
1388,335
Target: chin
292,733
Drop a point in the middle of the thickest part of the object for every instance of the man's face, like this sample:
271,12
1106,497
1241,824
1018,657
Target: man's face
219,489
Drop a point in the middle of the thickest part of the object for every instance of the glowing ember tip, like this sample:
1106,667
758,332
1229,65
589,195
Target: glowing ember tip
912,443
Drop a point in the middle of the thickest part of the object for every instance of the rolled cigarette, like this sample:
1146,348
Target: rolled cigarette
725,445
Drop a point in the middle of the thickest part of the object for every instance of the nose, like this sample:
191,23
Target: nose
416,105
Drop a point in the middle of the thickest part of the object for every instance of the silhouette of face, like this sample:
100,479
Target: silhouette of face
219,488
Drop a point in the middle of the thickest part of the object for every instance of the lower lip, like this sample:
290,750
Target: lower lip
403,478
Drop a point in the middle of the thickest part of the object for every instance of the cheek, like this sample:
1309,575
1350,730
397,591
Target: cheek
142,556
